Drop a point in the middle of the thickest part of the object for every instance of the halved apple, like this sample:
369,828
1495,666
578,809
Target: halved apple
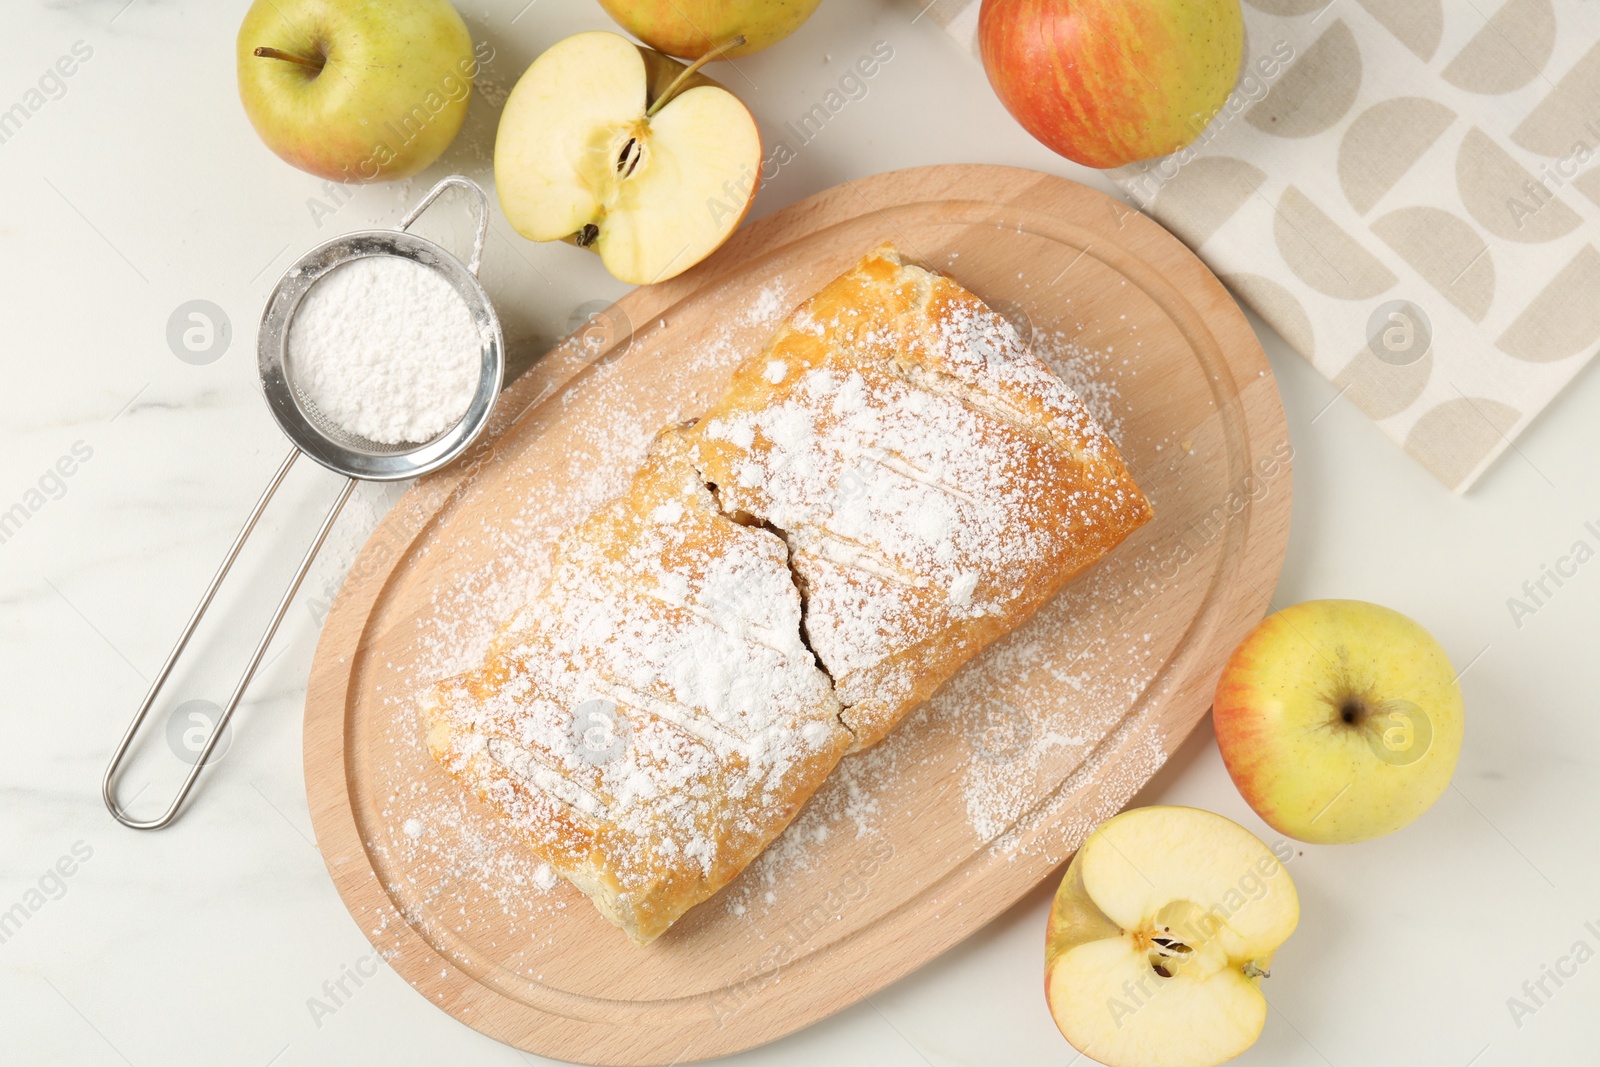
1159,936
624,151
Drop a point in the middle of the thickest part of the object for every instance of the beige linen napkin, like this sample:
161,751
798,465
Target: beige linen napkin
1409,192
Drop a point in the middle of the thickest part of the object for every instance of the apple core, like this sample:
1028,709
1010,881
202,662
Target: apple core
616,148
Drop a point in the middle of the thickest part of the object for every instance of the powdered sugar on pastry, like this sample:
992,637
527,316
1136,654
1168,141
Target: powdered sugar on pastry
934,480
652,717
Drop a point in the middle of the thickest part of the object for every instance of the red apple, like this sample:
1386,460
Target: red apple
1109,82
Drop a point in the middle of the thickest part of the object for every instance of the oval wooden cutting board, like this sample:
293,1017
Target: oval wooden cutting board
979,795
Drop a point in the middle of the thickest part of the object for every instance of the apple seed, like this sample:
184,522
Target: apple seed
628,159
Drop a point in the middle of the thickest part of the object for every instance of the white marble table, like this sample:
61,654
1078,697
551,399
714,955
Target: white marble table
139,186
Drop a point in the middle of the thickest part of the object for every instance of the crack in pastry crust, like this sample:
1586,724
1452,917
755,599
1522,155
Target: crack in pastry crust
985,486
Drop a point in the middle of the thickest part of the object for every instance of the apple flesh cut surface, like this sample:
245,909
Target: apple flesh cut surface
623,151
1339,720
690,29
355,90
1110,82
1164,926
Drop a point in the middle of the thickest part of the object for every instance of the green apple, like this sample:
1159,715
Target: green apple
1339,720
1108,82
356,90
1160,935
627,153
690,29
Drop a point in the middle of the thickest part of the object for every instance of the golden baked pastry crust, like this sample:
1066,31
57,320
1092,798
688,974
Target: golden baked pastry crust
672,632
935,482
893,483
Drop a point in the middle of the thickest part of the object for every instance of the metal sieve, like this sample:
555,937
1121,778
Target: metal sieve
313,434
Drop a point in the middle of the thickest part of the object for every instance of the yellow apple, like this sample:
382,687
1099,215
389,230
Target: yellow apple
1160,935
623,151
690,29
356,90
1339,720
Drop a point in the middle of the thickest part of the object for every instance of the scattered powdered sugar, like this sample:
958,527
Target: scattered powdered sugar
770,303
1121,764
1044,702
1085,374
846,809
386,349
457,855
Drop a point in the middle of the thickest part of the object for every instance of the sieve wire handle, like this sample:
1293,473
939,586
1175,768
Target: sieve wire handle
108,782
480,198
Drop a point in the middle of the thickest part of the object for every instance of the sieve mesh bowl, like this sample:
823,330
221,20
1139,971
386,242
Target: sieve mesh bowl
308,427
330,429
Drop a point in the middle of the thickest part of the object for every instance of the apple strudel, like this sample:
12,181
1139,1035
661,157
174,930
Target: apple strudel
893,483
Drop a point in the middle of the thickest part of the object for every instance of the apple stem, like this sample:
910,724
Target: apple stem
290,57
688,72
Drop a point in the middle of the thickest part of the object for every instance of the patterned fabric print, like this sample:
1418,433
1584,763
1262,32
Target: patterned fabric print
1409,192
